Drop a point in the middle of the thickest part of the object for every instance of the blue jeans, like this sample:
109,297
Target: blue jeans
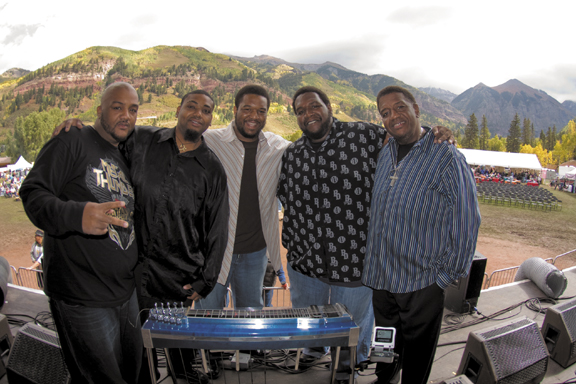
246,280
268,295
100,345
306,291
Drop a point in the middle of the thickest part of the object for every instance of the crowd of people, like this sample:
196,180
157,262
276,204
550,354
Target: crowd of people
563,184
138,215
10,182
482,173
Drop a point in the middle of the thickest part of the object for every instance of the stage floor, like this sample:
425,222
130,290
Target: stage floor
448,356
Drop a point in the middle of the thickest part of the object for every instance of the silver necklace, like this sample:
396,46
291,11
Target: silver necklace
395,176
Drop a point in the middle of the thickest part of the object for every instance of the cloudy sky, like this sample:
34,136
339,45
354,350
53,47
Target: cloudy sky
448,44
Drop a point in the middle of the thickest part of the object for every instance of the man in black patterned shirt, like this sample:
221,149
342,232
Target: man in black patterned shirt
325,186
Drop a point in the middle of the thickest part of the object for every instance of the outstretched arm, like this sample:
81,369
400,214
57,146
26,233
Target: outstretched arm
35,265
66,125
442,134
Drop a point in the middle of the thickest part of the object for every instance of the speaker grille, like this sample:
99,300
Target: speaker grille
568,311
508,351
36,356
527,374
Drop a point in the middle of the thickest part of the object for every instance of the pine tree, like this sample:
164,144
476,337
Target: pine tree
484,134
471,133
526,140
550,140
514,135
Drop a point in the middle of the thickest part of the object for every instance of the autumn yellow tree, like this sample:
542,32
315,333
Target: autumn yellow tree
565,149
497,144
544,156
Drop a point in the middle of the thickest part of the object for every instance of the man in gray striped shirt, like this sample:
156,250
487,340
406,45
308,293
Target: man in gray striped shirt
252,160
422,234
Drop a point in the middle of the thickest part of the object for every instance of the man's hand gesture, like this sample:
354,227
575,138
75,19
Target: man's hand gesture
97,217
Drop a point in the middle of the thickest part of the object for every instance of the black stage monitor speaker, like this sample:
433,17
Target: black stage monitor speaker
559,331
6,339
513,353
460,379
5,278
462,295
35,358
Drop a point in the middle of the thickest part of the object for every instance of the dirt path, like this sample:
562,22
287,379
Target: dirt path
16,247
505,254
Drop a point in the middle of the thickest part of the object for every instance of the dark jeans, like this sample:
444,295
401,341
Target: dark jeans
417,317
100,345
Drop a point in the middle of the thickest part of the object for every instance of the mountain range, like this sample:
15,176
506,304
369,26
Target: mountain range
500,104
163,74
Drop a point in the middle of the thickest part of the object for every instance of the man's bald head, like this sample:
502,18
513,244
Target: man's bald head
117,112
110,89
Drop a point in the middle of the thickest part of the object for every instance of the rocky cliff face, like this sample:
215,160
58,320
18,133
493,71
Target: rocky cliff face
439,93
570,105
499,104
440,108
374,83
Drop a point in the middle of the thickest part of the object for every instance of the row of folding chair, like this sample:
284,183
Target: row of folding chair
519,196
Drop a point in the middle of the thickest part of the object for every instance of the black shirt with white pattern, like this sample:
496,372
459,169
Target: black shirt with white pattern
326,195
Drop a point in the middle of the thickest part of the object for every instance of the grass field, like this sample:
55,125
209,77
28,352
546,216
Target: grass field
554,230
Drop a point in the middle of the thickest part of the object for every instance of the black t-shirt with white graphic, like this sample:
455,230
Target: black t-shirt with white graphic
71,170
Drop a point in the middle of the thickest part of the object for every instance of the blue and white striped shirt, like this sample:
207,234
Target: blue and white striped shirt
424,226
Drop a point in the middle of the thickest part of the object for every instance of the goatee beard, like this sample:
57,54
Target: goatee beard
192,136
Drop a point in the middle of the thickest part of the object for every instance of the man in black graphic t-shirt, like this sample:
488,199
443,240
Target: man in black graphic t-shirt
79,192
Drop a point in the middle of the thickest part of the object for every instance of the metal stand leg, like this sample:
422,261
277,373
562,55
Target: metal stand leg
151,365
204,363
352,364
335,366
298,352
170,366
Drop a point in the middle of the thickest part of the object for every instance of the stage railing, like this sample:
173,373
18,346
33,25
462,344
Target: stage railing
281,296
501,276
15,277
506,275
563,261
29,278
33,278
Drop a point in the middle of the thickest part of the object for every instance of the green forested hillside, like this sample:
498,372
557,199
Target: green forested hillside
162,75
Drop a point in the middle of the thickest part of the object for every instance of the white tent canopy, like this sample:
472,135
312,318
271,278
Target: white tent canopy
571,174
501,159
20,164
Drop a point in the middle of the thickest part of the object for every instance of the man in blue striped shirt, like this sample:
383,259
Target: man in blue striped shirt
422,234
